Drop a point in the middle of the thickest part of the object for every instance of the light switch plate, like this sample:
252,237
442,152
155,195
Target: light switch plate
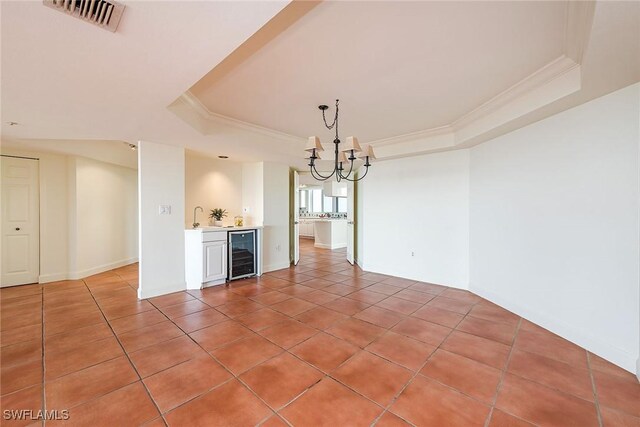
164,209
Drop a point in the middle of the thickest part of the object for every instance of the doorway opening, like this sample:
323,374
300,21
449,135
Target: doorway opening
323,218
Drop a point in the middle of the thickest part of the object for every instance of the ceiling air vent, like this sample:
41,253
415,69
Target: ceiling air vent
104,14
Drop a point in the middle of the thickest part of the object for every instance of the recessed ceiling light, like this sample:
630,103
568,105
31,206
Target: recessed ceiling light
223,157
12,123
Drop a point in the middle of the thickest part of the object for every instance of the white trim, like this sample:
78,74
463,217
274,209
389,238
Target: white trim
565,330
638,369
578,28
179,287
427,133
541,77
75,275
274,267
192,101
55,277
329,246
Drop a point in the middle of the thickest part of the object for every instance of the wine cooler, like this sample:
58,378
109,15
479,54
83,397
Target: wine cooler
242,254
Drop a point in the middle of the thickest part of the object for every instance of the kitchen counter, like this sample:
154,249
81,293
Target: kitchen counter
207,253
206,228
330,233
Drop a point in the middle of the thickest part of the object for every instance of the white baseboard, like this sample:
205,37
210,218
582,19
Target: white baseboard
74,275
156,292
325,246
638,369
567,331
56,277
274,267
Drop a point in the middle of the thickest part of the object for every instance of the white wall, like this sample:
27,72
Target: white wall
275,244
419,205
53,213
554,224
161,177
106,217
212,183
253,193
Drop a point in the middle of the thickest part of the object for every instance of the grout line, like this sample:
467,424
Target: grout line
503,373
595,390
417,372
44,384
124,351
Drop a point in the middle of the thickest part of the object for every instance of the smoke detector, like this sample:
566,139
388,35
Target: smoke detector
104,14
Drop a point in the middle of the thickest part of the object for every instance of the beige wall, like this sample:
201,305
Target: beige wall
212,183
106,216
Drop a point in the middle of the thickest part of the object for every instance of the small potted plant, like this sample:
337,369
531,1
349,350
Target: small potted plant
216,215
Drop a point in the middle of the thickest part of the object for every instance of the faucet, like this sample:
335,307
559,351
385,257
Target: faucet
196,224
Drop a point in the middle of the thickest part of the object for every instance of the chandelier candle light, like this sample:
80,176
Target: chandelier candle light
349,148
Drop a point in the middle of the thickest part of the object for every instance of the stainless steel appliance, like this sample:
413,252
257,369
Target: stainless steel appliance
242,254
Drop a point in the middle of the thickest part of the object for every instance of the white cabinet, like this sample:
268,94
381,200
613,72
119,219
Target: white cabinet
215,261
205,258
306,228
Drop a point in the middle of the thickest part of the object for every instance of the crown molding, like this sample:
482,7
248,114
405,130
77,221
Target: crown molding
579,20
422,134
218,119
557,79
539,78
544,77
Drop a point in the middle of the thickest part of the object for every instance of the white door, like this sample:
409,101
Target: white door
215,261
350,222
296,218
20,222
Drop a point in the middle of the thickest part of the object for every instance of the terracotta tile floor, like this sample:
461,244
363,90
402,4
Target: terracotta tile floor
323,343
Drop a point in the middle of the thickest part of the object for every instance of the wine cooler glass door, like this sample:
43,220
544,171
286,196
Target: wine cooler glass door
242,253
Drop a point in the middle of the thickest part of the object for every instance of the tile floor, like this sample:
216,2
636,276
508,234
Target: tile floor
322,344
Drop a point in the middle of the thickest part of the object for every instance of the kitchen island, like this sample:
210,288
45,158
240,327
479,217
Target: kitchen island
330,233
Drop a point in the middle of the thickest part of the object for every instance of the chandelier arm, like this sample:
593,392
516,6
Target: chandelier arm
350,170
338,166
318,175
360,178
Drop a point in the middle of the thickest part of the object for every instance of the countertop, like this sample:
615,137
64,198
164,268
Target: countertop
207,228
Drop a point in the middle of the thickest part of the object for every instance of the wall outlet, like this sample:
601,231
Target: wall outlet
278,248
164,209
413,253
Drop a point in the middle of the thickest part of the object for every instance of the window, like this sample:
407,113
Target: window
327,204
316,201
342,204
303,199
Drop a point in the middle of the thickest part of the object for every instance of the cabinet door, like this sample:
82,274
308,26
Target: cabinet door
215,261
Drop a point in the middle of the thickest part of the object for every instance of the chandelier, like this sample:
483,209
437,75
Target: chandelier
349,148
